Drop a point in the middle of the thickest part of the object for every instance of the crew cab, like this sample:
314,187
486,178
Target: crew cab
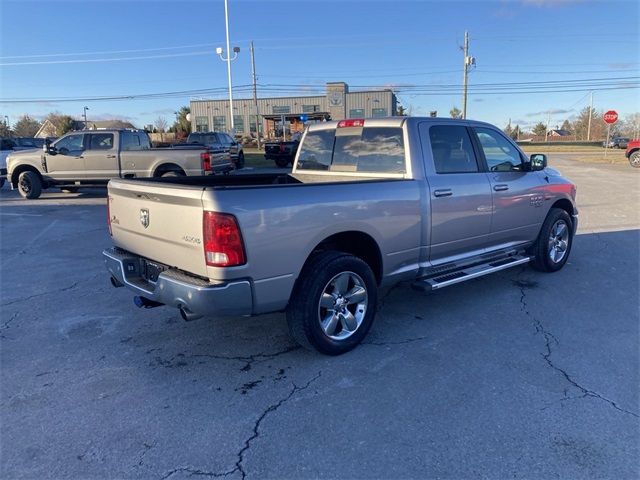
369,203
633,153
91,158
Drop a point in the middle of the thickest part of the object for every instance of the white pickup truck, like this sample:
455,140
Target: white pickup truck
369,203
93,157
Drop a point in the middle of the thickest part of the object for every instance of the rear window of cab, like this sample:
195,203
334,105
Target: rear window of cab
353,149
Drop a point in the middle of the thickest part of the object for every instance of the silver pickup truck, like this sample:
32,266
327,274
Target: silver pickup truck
369,203
93,157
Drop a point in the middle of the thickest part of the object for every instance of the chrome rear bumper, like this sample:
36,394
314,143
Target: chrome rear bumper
177,289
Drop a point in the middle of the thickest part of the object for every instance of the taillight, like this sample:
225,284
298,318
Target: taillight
206,161
353,122
109,215
222,240
281,148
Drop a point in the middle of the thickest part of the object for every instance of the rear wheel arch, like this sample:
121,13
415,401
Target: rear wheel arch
356,243
168,167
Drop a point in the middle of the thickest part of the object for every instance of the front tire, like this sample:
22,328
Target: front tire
29,185
554,242
333,304
634,159
240,161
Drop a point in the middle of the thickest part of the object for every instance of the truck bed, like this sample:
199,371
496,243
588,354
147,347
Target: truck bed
256,180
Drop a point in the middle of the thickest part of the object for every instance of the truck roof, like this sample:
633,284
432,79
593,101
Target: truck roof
397,122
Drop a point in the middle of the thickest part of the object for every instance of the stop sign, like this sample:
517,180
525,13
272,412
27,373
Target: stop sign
610,117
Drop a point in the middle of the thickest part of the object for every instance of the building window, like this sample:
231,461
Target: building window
202,124
310,108
238,123
379,112
356,113
281,109
252,125
219,124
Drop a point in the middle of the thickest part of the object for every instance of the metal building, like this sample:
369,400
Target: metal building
337,104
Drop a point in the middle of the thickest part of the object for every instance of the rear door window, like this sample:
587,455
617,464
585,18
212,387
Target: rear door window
130,141
452,149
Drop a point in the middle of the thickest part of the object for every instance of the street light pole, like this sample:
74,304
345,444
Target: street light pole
84,114
229,58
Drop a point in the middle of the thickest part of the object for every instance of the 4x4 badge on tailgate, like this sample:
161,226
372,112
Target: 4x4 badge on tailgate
144,217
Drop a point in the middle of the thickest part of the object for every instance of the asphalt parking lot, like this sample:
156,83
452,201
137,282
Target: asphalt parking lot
516,375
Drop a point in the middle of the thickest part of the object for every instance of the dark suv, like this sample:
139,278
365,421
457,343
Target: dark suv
219,140
616,142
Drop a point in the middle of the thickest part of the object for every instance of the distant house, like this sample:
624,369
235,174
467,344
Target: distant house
48,129
559,133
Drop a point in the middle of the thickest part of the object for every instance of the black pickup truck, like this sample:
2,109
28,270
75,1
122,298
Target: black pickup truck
283,153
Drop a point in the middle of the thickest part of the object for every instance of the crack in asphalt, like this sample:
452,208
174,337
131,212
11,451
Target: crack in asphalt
6,324
550,339
383,301
24,299
248,360
255,433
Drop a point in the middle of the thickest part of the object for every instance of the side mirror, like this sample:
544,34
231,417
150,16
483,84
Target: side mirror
538,161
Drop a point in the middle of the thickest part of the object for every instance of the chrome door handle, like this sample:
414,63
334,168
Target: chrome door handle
111,156
445,192
501,188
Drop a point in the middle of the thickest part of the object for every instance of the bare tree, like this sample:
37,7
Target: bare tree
161,124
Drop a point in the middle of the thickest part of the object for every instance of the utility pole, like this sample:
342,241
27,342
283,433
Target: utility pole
468,61
255,93
546,135
590,115
84,114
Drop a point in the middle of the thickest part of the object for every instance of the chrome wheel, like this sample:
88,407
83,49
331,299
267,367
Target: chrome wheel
634,159
342,306
558,241
24,184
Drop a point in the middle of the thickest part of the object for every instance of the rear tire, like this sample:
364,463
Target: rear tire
634,159
333,304
29,185
173,173
553,246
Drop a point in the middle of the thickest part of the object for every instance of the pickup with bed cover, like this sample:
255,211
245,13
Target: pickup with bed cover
369,203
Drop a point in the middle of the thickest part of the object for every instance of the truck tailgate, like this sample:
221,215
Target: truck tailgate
160,222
